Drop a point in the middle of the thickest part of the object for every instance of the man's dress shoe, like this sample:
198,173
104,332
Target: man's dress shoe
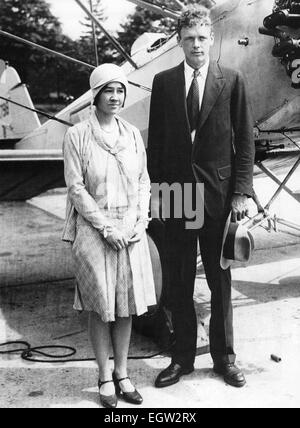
172,374
231,373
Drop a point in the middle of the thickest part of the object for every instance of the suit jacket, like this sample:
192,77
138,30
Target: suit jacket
222,155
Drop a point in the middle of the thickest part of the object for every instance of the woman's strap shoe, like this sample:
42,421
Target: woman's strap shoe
109,401
133,397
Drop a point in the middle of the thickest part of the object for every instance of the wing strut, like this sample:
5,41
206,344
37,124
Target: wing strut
49,116
94,36
115,43
77,61
27,42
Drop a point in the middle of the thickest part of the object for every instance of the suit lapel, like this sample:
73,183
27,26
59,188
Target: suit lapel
213,87
180,90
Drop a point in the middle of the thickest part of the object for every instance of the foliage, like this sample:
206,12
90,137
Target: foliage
86,41
45,73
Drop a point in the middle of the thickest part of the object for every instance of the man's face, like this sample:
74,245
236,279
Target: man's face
196,43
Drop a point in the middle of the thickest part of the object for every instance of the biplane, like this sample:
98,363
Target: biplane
259,37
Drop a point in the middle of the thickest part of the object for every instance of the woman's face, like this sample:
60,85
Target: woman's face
111,99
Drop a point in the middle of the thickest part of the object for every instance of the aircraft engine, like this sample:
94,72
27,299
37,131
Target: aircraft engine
284,25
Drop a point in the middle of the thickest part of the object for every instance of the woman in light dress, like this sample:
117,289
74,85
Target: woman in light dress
107,216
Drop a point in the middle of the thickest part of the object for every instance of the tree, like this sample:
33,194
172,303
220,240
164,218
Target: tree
32,20
44,72
143,21
87,39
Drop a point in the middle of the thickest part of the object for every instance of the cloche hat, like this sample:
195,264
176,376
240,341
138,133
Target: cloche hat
105,74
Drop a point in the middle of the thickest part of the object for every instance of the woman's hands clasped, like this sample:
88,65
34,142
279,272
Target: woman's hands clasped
119,240
116,239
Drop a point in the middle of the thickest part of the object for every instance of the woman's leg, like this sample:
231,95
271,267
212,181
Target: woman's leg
121,334
100,339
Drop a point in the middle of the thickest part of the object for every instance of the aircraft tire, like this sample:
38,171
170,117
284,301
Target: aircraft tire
156,323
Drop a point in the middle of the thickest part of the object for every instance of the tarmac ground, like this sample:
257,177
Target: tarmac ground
36,296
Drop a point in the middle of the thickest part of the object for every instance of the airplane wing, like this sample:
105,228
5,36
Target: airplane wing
27,173
24,173
152,53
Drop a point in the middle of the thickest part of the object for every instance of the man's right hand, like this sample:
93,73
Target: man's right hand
239,207
117,240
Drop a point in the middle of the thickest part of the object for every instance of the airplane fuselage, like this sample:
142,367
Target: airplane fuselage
238,44
273,81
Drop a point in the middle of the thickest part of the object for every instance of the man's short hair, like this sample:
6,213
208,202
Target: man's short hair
192,16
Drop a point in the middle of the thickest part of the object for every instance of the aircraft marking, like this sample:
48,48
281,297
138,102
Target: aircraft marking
4,110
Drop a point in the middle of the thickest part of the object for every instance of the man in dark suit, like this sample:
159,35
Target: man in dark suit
201,131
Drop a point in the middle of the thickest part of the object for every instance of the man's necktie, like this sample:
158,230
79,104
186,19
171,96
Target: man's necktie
193,102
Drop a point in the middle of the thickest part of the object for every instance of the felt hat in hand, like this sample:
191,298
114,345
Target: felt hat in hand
237,244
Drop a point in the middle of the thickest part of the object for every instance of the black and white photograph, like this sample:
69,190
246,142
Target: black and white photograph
149,206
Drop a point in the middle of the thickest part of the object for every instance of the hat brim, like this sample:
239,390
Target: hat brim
97,89
225,263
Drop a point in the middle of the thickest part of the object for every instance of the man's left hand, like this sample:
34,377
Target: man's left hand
239,207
